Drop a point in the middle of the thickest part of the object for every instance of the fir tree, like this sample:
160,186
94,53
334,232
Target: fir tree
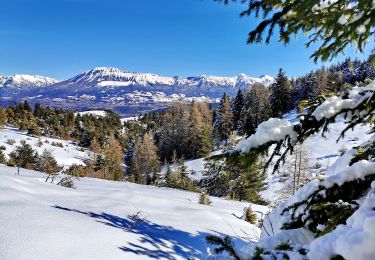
323,24
23,156
280,96
47,163
257,110
237,106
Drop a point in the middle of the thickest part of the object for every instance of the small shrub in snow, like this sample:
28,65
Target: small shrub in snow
136,219
317,165
204,199
67,182
78,171
10,141
250,216
57,144
2,147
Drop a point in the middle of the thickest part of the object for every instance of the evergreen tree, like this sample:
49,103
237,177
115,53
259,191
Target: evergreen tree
23,156
237,106
280,96
249,180
3,159
47,163
238,178
334,25
224,119
257,109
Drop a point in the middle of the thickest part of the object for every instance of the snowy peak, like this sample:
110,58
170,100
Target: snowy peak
21,81
114,77
109,76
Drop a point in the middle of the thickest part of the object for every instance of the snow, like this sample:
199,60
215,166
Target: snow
43,221
335,104
92,112
272,130
22,80
68,155
114,77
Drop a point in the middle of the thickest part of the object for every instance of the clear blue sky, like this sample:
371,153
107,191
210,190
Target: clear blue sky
61,38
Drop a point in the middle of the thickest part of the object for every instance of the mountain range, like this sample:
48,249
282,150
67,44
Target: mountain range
128,93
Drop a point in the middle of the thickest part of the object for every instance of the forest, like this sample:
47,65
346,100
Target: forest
138,150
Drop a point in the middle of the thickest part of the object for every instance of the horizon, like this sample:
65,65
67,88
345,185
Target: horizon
188,38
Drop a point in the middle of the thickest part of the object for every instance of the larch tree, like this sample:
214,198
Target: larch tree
145,165
113,160
3,117
224,119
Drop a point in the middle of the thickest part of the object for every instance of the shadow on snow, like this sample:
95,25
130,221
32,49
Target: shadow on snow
156,241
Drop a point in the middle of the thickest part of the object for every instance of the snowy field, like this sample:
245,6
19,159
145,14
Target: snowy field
99,220
67,155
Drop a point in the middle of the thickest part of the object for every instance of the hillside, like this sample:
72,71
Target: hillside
98,220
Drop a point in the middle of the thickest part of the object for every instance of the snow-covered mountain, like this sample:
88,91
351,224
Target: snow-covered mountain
21,81
113,77
126,92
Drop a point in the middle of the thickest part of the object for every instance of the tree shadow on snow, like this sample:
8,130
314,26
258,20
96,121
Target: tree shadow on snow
156,241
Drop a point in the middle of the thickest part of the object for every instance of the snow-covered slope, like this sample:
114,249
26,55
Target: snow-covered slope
67,155
98,220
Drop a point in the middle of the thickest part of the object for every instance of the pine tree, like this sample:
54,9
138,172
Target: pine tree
224,120
3,159
145,165
3,117
258,108
249,180
237,106
280,96
47,163
23,156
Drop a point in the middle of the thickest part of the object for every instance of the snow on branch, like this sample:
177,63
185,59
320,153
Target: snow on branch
272,130
356,107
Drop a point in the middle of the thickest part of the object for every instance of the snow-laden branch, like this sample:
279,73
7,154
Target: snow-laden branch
275,130
272,130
